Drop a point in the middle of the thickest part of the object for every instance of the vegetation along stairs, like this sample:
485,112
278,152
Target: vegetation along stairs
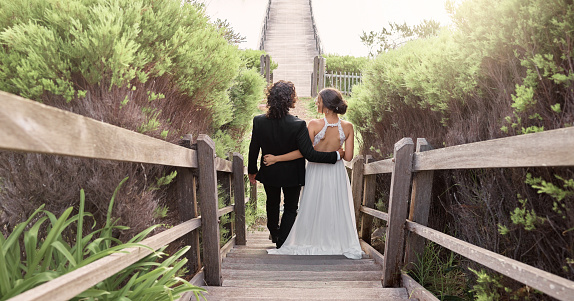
249,273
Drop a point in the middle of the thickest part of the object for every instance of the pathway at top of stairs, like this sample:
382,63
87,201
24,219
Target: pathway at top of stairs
290,42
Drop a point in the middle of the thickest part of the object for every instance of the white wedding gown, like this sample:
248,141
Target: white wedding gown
325,224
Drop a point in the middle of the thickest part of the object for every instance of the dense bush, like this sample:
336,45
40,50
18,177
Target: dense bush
156,67
252,59
344,63
505,68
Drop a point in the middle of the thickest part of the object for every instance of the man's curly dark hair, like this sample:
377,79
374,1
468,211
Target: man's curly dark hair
281,96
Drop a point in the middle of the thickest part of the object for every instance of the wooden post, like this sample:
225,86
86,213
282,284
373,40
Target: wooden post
419,209
368,201
209,210
239,198
315,77
262,65
321,74
187,207
253,196
267,68
357,175
398,203
224,179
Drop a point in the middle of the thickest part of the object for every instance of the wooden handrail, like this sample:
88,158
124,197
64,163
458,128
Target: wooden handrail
29,126
553,148
549,148
543,281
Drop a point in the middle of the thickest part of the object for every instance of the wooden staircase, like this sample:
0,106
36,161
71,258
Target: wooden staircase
249,273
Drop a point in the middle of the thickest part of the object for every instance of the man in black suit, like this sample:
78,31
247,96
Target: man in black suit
277,133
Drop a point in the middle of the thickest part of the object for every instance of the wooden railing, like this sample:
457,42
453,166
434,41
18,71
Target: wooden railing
342,81
318,45
263,34
549,148
28,126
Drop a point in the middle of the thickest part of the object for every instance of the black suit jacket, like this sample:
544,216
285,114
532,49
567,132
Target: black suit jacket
278,137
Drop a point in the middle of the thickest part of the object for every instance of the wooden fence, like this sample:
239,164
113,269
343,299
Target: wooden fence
342,81
28,126
411,180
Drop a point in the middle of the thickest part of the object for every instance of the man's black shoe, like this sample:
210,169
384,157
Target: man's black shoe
273,238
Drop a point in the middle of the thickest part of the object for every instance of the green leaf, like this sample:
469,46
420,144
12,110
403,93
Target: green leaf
65,251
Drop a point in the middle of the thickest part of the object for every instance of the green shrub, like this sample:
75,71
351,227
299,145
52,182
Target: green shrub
344,63
504,68
252,59
158,67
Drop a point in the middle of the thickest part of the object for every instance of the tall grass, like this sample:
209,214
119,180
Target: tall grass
30,258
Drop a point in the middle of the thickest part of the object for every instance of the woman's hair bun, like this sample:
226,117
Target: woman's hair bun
333,100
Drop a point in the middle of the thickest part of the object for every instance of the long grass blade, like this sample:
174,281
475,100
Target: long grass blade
18,231
79,231
110,208
31,241
56,231
60,247
8,244
30,283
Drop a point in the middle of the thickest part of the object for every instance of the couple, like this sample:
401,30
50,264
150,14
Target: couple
326,221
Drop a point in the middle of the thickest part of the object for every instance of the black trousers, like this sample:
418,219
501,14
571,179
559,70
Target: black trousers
290,206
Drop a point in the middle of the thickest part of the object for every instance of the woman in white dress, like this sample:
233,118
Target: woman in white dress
325,224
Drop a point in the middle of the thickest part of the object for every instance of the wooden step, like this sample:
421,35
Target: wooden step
302,275
296,259
290,293
301,284
297,266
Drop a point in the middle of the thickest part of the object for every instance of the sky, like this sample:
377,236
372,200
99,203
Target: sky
340,25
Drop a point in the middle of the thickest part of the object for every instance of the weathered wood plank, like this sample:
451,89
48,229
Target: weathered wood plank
301,267
75,282
302,275
555,286
187,207
239,198
419,209
327,293
253,196
225,210
264,254
224,195
376,213
357,187
301,284
373,253
223,165
29,126
227,247
368,202
415,290
398,204
209,210
293,261
549,148
379,167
